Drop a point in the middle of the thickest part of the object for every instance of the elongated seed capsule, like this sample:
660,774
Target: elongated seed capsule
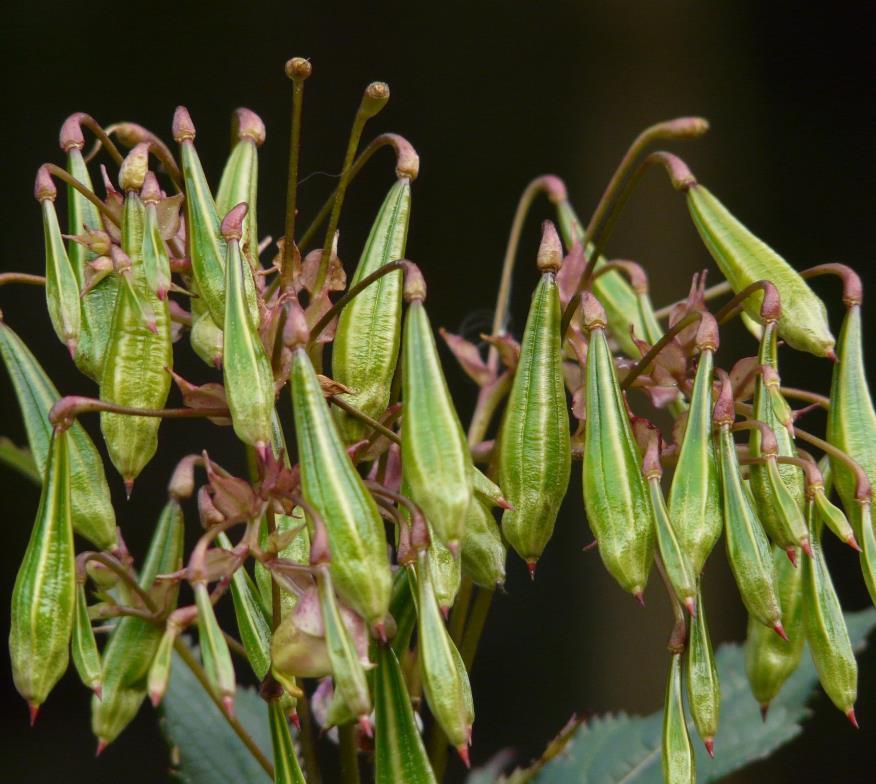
365,349
214,648
156,262
206,249
331,484
137,358
159,670
399,751
695,493
246,369
826,632
483,551
769,659
831,515
745,259
615,492
747,546
206,338
488,491
675,560
44,595
403,609
611,288
96,307
62,288
703,687
287,770
83,646
534,448
298,646
446,571
347,669
445,683
679,761
435,454
92,509
132,645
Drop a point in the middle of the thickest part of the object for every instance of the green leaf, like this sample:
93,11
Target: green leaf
21,459
622,749
209,752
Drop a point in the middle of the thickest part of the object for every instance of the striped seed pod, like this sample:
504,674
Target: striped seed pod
534,448
205,337
159,671
83,646
679,761
287,769
92,509
487,490
615,492
214,649
156,262
44,595
366,345
703,687
483,551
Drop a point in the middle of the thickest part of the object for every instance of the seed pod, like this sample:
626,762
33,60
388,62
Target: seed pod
214,649
206,338
745,259
534,449
489,492
770,660
615,492
159,670
286,767
399,751
679,761
435,454
347,669
92,509
44,596
695,494
331,484
445,681
62,288
483,551
703,687
134,372
298,647
83,646
132,645
156,263
403,609
365,349
446,571
826,632
246,369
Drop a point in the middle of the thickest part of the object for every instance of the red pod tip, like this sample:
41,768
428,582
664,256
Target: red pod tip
531,565
365,726
129,488
33,712
462,750
853,543
807,547
101,746
764,710
380,632
780,630
709,743
639,596
232,223
228,704
850,714
791,552
691,605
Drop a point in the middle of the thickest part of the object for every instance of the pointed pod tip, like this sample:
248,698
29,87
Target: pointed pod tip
709,743
462,750
155,698
453,546
129,488
380,631
228,705
691,604
296,720
639,596
807,547
791,552
503,503
764,710
531,564
850,714
217,361
853,543
33,712
445,611
71,347
365,726
263,450
98,691
780,630
101,747
831,355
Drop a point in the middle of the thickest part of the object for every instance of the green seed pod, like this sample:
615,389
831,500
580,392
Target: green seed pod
695,494
679,761
770,660
286,767
347,669
403,609
534,448
206,338
44,596
62,288
703,687
365,349
446,571
331,484
745,259
92,509
246,369
615,492
159,670
830,514
827,634
435,454
399,751
445,680
483,551
489,492
156,263
83,646
214,649
132,645
298,647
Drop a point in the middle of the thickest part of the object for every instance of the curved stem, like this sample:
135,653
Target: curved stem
489,398
362,416
22,277
770,309
719,289
68,408
102,138
807,396
62,174
664,341
853,290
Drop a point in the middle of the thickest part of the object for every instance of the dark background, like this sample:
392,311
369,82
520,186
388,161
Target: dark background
491,94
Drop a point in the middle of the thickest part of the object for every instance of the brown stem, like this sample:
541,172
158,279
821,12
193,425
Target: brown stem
362,416
297,70
276,611
62,174
853,290
68,408
664,341
806,395
22,277
770,309
489,398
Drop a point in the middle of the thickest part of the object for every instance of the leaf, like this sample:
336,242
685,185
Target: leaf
622,749
208,750
21,459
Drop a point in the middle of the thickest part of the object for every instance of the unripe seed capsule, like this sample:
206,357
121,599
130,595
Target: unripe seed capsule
483,551
679,761
214,649
287,770
83,646
156,263
159,670
703,687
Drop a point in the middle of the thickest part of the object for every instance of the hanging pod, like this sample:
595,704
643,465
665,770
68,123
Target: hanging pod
769,659
483,551
679,761
695,493
615,492
214,649
331,484
132,645
435,454
399,752
287,770
44,595
745,259
246,369
156,262
205,337
159,671
366,344
83,646
703,687
91,506
534,448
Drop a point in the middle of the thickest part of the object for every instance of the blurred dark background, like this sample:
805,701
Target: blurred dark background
491,94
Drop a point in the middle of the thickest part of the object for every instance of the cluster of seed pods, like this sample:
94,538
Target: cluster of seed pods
345,555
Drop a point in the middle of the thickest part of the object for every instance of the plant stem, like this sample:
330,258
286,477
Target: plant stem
458,617
68,408
308,747
664,341
22,277
717,290
349,757
476,622
361,415
489,398
292,180
275,589
62,174
806,395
